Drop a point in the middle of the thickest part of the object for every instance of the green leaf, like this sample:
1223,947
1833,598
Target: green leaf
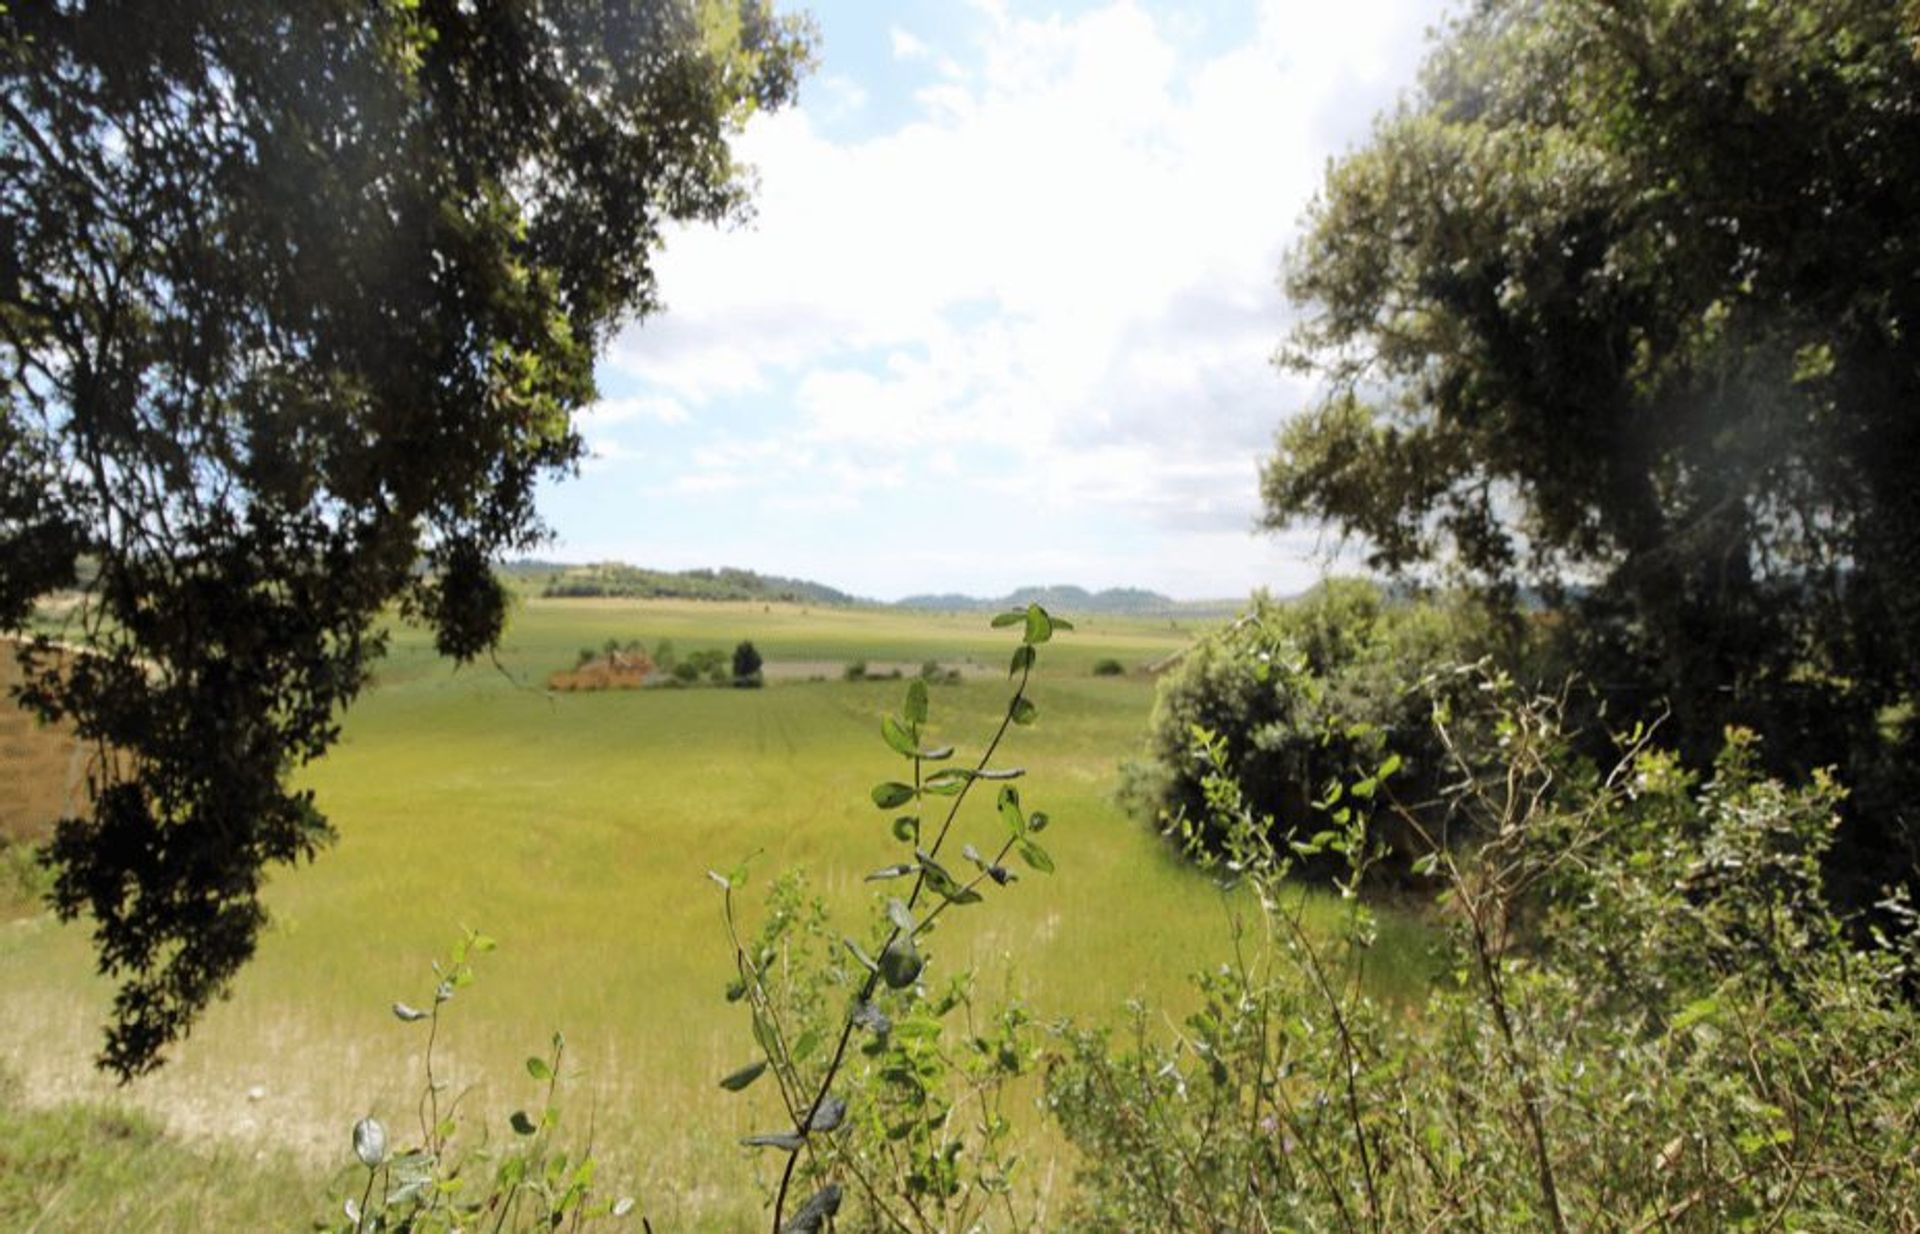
806,1044
950,780
1022,660
900,915
897,736
746,1075
1012,618
521,1124
1036,856
1696,1011
788,1141
893,871
917,703
1023,711
1060,623
406,1014
1037,821
900,963
906,828
943,884
892,794
866,961
936,754
1039,625
720,880
1010,810
539,1070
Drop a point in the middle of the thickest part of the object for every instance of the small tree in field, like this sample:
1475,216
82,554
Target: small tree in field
746,666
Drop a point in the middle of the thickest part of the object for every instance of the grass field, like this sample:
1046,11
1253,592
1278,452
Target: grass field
577,829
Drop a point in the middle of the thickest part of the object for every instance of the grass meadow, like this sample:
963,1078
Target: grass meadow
577,829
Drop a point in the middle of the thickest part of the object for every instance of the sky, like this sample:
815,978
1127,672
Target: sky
1006,309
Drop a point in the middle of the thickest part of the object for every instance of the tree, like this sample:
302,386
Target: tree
1623,306
296,303
746,665
1306,698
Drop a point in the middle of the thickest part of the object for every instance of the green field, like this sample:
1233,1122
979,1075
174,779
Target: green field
577,830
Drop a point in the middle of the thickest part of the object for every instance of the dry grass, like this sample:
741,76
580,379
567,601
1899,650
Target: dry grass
42,768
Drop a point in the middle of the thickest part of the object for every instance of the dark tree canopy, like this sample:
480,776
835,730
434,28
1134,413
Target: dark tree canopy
296,302
1626,302
746,663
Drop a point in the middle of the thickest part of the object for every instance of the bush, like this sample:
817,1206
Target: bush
934,675
855,671
746,666
1305,697
893,1084
1109,668
525,1178
24,879
1653,1021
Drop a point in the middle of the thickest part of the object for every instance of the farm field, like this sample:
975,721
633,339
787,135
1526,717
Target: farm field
577,830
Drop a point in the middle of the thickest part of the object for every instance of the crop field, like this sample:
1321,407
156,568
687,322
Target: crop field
577,830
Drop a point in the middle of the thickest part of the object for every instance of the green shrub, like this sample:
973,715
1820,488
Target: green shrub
24,879
856,670
522,1177
894,1080
1652,1022
1109,667
1304,697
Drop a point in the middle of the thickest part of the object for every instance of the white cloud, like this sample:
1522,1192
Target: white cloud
906,46
660,409
843,95
1068,254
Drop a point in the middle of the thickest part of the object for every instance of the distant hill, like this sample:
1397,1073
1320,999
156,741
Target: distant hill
613,578
1069,600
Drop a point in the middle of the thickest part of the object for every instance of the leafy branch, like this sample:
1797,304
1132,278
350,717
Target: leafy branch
816,1109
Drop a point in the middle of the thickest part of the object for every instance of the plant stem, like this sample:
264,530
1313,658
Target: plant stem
873,978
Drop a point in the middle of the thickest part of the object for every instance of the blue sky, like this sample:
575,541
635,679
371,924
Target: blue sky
1006,309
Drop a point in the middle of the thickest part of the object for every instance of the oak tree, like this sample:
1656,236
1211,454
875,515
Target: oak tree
297,301
1624,306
